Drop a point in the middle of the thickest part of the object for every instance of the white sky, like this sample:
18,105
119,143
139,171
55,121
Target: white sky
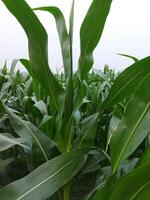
127,31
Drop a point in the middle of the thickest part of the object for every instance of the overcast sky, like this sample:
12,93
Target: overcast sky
127,31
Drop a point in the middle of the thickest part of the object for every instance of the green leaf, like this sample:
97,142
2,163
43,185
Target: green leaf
112,127
145,157
78,95
4,69
71,22
127,136
90,33
105,189
7,141
41,107
66,46
89,127
36,85
133,186
4,89
38,53
47,179
127,82
13,65
47,125
63,36
31,134
128,56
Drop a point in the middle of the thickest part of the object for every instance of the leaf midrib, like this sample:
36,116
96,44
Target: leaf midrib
125,85
45,180
130,136
139,190
40,49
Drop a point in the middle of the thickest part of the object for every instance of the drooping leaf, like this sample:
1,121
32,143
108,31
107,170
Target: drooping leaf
31,134
7,141
38,52
41,107
129,56
127,136
46,179
90,33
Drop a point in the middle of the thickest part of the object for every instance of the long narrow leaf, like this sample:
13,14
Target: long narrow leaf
133,127
38,52
129,56
133,186
91,31
7,141
31,134
63,35
127,82
47,179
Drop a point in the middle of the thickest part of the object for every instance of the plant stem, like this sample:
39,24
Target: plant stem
67,191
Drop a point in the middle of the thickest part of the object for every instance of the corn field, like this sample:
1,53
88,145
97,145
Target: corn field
80,135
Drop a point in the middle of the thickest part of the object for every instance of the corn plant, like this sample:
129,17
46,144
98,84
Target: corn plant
105,129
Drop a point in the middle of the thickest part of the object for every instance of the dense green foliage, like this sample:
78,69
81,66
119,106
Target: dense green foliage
73,136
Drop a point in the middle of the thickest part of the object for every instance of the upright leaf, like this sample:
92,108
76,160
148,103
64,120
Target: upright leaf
38,53
66,47
13,65
63,35
71,22
90,33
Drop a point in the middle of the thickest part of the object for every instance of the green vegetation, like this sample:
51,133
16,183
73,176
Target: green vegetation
73,136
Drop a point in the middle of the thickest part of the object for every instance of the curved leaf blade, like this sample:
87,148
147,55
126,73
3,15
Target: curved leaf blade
137,183
31,134
38,53
46,179
129,56
63,36
127,82
7,141
127,136
132,186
